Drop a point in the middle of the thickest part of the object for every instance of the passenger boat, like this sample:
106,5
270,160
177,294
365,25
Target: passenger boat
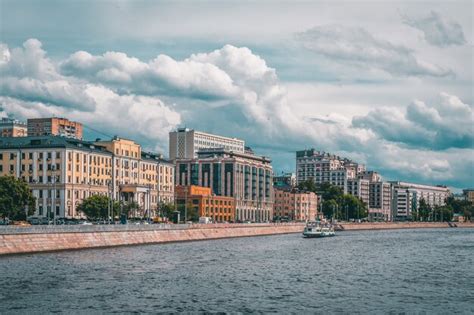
316,229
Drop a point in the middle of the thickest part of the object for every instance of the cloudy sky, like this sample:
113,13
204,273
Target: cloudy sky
389,84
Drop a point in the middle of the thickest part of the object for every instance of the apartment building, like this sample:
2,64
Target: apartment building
406,198
185,143
294,205
468,194
245,177
12,128
54,126
359,188
61,172
322,167
205,203
380,195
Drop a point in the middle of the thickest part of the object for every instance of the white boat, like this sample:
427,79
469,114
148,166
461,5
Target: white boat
315,229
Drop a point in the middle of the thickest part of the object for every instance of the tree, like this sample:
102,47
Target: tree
424,210
167,210
443,213
130,208
15,195
96,207
352,207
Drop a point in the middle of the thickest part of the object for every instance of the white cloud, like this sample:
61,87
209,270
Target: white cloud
355,46
30,86
230,91
436,30
448,123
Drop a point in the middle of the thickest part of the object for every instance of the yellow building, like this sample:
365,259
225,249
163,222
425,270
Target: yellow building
62,172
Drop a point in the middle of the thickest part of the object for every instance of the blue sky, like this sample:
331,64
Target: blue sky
386,83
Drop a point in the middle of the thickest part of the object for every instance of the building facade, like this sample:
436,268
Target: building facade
205,203
380,198
294,205
285,180
468,194
322,167
359,188
185,143
406,198
61,172
12,128
245,177
54,126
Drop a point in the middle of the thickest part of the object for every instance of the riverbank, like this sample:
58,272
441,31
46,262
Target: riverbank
33,239
400,225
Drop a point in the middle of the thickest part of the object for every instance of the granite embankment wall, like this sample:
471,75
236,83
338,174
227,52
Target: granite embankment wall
401,225
44,239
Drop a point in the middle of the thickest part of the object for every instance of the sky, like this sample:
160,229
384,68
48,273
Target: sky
386,83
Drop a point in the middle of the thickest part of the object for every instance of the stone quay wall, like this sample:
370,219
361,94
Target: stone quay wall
401,225
19,240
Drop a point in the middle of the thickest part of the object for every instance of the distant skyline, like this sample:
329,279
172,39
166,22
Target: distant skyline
388,83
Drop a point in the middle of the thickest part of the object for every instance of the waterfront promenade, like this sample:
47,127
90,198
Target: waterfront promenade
30,239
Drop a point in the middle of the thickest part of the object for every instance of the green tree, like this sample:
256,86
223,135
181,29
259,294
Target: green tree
443,213
424,210
130,208
167,210
352,207
15,195
330,208
308,185
96,207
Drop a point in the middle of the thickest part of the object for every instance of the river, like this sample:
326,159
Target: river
394,271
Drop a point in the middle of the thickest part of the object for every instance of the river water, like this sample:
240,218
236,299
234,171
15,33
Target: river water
401,271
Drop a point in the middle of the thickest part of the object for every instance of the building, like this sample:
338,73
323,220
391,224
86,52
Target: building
54,126
322,167
294,205
359,188
12,128
205,203
406,198
243,176
61,172
380,198
285,180
468,194
185,143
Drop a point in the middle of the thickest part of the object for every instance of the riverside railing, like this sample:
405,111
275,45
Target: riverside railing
39,229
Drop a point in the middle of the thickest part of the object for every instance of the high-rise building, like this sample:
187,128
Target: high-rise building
185,143
380,198
61,172
12,128
322,167
359,188
406,198
243,176
54,126
294,205
205,203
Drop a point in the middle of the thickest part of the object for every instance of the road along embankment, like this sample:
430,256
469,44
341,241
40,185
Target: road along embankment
20,240
401,225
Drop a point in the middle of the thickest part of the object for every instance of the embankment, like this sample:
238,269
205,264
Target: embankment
49,238
401,225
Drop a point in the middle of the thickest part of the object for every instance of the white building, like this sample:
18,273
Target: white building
380,197
359,188
185,143
406,198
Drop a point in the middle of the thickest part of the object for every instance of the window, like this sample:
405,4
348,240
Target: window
12,156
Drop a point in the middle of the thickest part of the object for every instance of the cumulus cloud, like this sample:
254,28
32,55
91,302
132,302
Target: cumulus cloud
31,86
230,91
447,123
357,47
436,30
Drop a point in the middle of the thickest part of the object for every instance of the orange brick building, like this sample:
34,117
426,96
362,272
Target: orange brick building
201,199
54,126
